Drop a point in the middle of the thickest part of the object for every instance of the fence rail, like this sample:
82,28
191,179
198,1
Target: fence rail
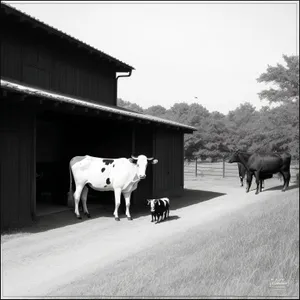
223,169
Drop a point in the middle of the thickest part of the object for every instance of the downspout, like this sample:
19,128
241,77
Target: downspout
126,75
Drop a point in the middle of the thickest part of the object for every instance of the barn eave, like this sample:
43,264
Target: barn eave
26,92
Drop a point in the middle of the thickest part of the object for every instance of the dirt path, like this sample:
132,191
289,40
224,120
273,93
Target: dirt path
32,265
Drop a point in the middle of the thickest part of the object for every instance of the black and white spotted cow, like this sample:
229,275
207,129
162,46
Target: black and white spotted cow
120,175
159,208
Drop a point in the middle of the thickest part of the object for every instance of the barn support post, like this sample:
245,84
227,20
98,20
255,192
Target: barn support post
196,166
132,200
133,141
223,166
33,199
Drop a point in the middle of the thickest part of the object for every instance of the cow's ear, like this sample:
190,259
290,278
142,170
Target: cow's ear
132,160
154,161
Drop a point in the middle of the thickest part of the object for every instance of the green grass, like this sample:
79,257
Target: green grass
237,256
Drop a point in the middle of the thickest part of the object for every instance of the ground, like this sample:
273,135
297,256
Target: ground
218,241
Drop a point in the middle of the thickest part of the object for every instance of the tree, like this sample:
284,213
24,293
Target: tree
286,79
178,112
129,105
196,115
156,110
213,137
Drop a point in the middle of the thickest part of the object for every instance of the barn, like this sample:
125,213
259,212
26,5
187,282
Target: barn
59,100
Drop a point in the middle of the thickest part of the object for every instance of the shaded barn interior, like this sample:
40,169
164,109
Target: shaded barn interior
60,137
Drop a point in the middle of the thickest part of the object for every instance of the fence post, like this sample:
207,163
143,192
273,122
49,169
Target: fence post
223,166
196,166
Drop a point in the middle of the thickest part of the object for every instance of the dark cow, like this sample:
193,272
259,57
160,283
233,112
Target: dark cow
159,208
263,166
243,170
262,177
242,175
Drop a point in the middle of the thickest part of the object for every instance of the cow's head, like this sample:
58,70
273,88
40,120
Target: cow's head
151,203
141,162
234,156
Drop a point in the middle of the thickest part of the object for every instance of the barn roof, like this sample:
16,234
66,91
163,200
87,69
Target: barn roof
23,17
49,95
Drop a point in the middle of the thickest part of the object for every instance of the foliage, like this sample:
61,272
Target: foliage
156,110
286,79
129,105
269,129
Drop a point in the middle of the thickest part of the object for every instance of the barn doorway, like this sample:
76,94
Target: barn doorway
51,165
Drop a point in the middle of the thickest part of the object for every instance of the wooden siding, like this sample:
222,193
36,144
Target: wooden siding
168,173
17,170
51,64
144,145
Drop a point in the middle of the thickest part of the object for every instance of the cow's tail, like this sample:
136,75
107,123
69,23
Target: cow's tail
70,193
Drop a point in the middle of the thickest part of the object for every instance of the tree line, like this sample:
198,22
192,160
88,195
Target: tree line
269,129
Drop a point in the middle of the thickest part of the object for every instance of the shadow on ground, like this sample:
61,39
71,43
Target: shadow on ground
170,218
279,187
66,218
188,198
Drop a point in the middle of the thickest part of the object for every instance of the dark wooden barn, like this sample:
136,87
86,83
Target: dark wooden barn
58,100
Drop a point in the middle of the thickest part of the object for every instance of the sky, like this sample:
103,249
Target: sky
209,53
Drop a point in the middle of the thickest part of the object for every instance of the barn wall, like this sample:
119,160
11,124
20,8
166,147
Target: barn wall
31,57
143,136
168,173
17,166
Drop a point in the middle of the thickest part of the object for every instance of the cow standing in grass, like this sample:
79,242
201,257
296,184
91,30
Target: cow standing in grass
159,208
263,166
120,175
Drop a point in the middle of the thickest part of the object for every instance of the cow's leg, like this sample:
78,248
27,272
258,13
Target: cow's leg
242,181
159,217
84,199
286,178
262,183
153,217
117,203
77,195
249,181
127,201
257,173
